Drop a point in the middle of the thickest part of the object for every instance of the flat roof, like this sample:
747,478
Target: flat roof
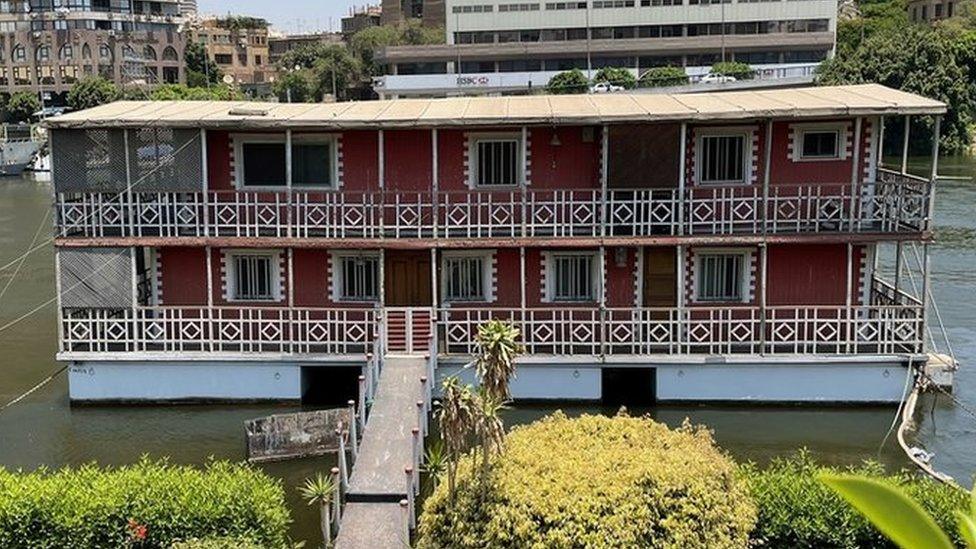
809,102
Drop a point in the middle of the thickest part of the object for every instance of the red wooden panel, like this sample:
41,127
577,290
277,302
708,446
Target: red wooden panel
408,158
183,275
218,161
814,274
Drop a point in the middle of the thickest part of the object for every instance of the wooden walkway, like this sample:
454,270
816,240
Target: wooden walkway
372,517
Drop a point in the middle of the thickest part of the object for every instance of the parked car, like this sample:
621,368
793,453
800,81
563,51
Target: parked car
605,87
716,79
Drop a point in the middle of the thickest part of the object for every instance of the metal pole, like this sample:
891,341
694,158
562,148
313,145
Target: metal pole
881,136
848,300
603,300
205,182
934,175
767,164
763,274
434,182
382,163
926,281
353,428
434,290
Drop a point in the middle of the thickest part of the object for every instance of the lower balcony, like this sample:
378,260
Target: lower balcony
197,332
897,203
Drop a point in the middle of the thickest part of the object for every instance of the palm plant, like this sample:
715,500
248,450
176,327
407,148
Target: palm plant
319,490
498,347
455,415
897,516
435,461
488,425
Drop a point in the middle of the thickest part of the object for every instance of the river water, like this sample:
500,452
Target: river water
44,430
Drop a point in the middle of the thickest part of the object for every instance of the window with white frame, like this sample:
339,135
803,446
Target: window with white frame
254,277
819,144
720,277
263,159
359,278
722,158
571,277
465,278
497,161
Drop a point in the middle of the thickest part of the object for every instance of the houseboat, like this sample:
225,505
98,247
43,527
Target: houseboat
696,247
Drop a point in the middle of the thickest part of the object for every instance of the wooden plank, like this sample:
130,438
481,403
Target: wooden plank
371,526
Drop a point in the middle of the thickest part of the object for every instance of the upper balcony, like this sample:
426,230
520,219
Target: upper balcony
896,203
619,168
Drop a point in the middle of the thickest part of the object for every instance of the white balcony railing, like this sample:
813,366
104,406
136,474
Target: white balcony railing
697,331
898,203
873,329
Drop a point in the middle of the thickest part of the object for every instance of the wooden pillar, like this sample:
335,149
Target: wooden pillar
763,294
679,203
767,164
382,280
522,276
130,206
291,277
604,176
434,289
525,156
904,144
855,195
679,315
602,281
881,136
288,174
205,182
434,182
848,300
209,259
381,156
639,297
898,265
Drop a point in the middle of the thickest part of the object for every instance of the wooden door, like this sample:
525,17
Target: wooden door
660,277
407,279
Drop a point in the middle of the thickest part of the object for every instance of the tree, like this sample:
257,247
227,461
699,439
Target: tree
320,490
182,92
364,43
22,106
567,82
91,92
939,63
616,76
663,76
735,69
200,70
314,71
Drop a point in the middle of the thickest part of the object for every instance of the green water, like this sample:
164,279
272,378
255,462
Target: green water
45,430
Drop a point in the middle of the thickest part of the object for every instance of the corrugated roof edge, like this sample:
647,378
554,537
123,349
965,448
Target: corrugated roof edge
787,103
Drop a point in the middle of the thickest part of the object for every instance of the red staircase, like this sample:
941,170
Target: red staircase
408,329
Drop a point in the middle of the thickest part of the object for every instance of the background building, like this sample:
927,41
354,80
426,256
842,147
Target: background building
503,46
188,8
279,45
361,18
930,10
238,46
430,12
48,49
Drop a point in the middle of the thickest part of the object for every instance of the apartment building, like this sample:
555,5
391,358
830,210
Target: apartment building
925,11
516,47
238,46
429,12
698,247
48,46
361,18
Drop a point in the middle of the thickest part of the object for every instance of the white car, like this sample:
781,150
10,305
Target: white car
605,87
716,79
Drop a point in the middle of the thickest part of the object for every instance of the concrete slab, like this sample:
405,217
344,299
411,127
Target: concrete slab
372,526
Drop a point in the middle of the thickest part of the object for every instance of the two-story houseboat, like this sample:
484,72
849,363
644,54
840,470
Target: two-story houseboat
698,247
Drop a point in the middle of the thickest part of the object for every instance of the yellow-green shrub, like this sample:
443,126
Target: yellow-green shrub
595,481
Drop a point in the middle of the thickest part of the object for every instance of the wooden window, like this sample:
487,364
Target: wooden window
253,278
263,159
572,278
360,278
720,277
722,158
464,278
497,162
820,144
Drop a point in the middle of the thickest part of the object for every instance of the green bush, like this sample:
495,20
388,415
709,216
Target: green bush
95,508
22,105
616,76
741,71
594,481
568,82
217,543
797,510
663,76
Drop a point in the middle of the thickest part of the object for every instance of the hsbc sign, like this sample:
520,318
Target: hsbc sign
479,80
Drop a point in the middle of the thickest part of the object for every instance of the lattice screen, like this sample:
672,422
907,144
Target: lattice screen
96,277
94,160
